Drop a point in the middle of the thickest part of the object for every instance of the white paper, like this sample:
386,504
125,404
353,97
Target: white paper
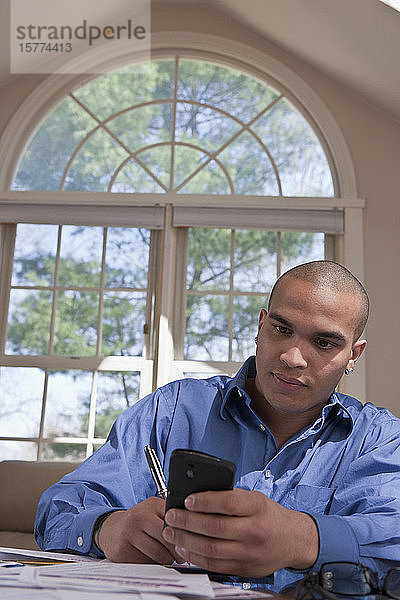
105,576
13,593
42,594
226,592
56,555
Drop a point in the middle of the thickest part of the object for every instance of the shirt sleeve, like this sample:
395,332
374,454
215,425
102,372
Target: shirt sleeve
363,520
105,482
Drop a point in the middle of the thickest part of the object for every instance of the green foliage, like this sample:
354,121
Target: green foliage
46,157
213,276
76,313
28,328
73,452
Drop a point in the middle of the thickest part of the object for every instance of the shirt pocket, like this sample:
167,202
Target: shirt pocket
309,498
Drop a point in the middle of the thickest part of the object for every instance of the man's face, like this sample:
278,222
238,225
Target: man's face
305,342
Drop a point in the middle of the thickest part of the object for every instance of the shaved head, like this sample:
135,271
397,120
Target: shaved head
331,275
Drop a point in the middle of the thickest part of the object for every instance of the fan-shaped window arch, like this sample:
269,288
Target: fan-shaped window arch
178,125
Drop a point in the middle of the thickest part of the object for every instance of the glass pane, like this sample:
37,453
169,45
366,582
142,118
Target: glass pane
255,260
29,322
34,254
95,163
67,404
57,451
116,391
128,86
133,178
11,450
299,247
21,392
245,321
203,126
143,126
46,157
249,167
296,150
158,161
206,328
186,161
127,257
76,323
212,179
123,321
208,259
230,90
80,256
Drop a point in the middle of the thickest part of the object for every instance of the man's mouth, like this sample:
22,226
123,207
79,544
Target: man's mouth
288,383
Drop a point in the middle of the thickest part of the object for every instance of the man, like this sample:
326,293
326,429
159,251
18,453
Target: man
318,473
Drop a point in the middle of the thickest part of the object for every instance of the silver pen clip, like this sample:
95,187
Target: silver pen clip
156,471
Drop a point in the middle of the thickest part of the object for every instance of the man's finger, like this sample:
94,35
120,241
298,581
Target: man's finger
237,502
215,526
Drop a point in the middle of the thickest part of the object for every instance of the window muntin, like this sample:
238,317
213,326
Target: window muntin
78,291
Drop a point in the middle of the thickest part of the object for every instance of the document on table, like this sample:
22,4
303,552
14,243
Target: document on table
104,576
75,577
38,557
224,591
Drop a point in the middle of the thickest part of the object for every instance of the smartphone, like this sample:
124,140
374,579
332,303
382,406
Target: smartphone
193,471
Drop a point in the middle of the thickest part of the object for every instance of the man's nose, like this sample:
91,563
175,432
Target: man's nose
294,358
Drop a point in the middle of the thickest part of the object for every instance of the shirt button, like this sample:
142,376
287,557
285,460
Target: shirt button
262,427
80,541
267,474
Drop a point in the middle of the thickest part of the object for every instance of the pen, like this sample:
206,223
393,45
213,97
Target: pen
156,471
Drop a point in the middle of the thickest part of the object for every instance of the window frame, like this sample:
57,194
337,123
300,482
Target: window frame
346,248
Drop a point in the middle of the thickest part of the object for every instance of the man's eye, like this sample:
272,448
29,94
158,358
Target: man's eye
282,329
324,343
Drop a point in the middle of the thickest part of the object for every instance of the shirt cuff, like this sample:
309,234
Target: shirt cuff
337,541
79,537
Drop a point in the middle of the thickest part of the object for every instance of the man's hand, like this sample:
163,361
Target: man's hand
135,535
241,532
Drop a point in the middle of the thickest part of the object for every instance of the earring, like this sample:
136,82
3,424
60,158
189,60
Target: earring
348,371
256,339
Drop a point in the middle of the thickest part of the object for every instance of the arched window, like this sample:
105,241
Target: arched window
160,201
182,126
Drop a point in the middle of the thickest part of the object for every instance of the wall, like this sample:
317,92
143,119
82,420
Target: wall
373,138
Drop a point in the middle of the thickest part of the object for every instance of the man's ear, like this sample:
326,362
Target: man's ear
356,351
262,316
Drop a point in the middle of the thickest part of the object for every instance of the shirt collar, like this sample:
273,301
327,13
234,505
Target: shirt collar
237,387
334,408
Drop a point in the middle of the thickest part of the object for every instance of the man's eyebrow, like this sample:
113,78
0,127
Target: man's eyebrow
332,335
277,317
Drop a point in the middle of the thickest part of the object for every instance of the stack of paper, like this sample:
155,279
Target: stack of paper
100,579
70,577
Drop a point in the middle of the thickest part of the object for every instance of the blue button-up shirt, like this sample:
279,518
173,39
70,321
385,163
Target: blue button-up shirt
343,469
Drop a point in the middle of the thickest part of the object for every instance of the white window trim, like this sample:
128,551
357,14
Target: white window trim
232,54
